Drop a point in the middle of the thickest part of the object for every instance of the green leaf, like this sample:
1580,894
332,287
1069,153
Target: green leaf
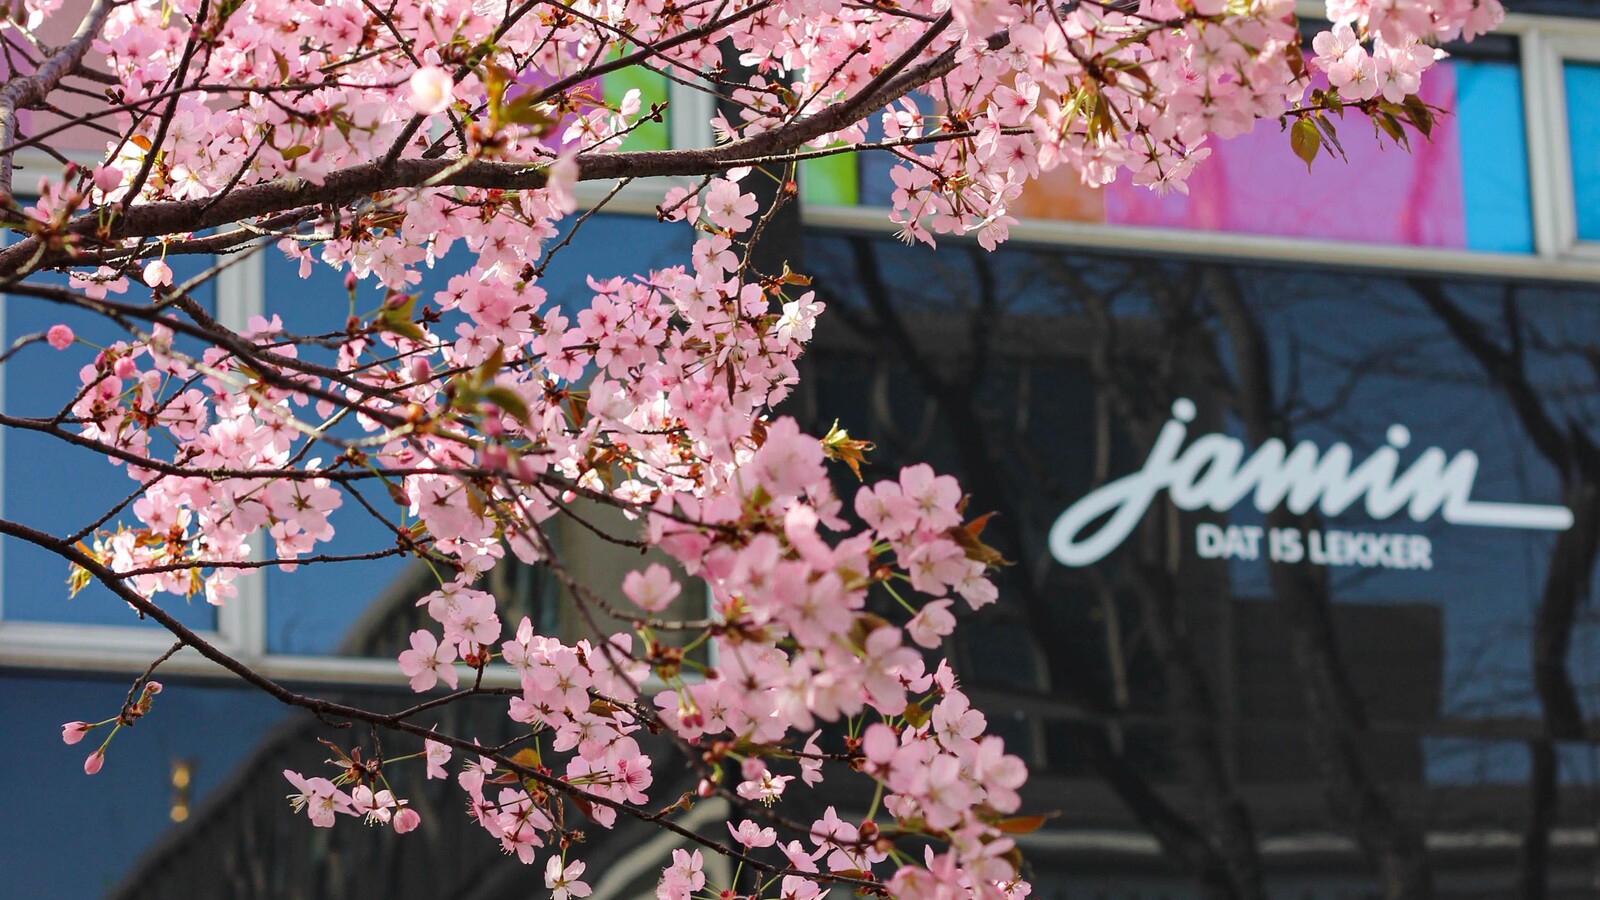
1331,135
1421,116
1023,824
1391,126
508,401
78,578
397,320
1305,141
495,80
295,152
490,367
1100,121
523,112
1295,59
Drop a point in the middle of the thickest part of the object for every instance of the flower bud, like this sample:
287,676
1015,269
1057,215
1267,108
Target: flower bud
59,337
73,732
406,820
491,420
94,762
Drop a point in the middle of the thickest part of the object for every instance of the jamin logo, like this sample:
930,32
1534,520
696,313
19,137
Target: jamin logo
1213,473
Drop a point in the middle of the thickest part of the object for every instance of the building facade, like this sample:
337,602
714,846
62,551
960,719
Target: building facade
1300,487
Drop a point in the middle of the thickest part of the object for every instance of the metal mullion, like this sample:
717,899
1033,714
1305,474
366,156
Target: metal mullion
242,621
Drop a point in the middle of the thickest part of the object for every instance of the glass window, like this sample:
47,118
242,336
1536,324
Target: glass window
136,831
610,89
653,88
1465,189
1582,81
1039,378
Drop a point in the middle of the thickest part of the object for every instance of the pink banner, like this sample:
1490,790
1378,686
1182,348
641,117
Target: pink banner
1255,184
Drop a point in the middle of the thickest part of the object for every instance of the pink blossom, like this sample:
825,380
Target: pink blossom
437,755
652,590
729,208
934,496
789,462
799,858
73,732
683,877
107,178
957,724
432,90
319,797
59,336
473,620
678,205
377,806
810,765
406,820
428,661
562,879
931,624
752,835
795,887
765,787
157,273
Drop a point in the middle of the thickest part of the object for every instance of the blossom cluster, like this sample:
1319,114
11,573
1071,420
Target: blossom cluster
1009,89
648,396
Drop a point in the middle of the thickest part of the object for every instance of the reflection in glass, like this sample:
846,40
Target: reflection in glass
1285,692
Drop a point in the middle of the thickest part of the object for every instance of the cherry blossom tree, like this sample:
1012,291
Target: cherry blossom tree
378,139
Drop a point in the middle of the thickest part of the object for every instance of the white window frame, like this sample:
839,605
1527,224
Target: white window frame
1552,48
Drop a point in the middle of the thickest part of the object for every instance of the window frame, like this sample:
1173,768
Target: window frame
1574,41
